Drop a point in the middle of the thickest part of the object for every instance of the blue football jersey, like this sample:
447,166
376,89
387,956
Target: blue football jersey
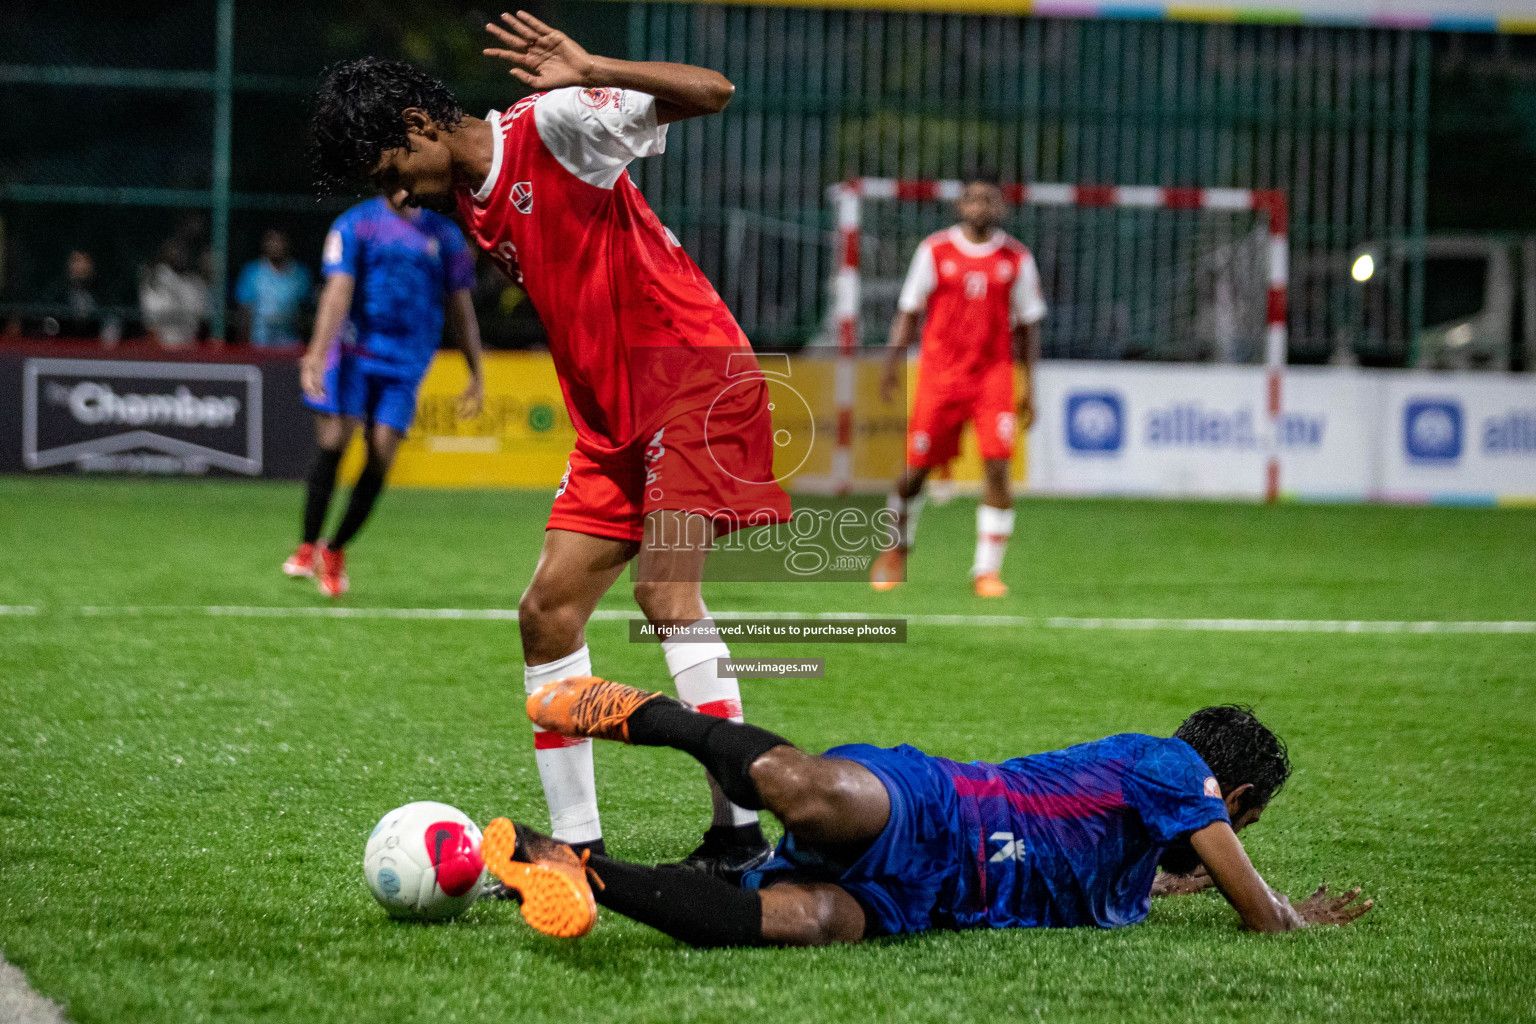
1072,837
404,268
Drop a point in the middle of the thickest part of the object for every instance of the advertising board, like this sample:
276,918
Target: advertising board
1344,435
80,412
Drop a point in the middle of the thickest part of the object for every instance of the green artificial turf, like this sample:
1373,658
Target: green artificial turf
184,798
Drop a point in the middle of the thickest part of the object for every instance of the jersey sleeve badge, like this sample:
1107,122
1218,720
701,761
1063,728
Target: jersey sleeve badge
1212,788
597,99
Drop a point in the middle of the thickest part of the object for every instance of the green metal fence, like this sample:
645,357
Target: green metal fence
128,122
1335,117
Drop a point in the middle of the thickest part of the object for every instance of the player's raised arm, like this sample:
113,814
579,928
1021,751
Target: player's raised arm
546,58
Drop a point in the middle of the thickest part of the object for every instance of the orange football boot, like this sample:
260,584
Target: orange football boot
889,570
557,899
990,584
587,706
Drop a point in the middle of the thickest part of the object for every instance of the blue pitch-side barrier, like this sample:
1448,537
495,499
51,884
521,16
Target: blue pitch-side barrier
1187,430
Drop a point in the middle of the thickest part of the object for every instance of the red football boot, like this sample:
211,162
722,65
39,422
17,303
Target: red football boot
301,562
333,572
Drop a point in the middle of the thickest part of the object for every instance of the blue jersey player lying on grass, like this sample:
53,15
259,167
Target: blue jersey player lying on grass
885,842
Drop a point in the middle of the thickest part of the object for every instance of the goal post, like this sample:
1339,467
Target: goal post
1181,253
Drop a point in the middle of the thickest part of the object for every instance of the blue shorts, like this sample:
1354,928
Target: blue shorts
357,393
911,874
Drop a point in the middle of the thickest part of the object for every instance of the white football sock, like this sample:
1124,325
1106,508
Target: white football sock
913,507
993,528
693,668
565,762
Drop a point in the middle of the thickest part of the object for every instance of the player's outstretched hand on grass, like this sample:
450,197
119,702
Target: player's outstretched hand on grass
541,57
1321,908
471,399
1166,884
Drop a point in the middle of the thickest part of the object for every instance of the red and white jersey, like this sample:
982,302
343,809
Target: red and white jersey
636,331
974,295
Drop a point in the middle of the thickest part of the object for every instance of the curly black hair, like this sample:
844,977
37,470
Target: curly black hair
1238,749
358,117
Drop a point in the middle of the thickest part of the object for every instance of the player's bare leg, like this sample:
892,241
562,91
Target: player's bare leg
669,573
941,484
573,573
824,800
332,435
837,804
383,442
906,502
695,908
994,525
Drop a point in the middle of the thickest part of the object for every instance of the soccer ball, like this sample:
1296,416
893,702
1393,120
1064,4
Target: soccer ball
422,862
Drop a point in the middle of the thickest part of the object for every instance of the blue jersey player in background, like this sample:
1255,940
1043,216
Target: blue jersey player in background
895,841
391,273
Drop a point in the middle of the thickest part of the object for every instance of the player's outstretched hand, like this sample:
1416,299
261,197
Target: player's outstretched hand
541,57
471,400
1321,908
1166,884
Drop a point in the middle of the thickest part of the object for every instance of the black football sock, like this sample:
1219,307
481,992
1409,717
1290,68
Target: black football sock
364,494
597,846
730,837
691,907
317,495
725,748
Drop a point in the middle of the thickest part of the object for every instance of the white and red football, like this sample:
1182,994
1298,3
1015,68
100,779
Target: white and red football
422,862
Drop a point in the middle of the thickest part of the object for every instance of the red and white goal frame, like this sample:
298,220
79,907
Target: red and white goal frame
848,199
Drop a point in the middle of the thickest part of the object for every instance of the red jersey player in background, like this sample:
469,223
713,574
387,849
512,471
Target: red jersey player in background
980,292
645,349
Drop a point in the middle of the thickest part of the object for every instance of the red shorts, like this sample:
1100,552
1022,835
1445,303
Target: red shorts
938,414
716,462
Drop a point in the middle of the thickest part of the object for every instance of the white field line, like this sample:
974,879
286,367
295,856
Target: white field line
982,621
20,1003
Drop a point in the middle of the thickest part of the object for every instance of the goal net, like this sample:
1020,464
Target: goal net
1174,275
1129,272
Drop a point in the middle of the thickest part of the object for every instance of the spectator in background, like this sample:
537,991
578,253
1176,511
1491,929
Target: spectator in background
172,299
77,298
272,292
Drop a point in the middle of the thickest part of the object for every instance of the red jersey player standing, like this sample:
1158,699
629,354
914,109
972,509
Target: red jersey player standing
980,291
673,442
